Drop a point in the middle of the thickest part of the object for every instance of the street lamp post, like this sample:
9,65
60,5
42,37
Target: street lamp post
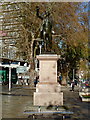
40,48
36,65
73,74
9,78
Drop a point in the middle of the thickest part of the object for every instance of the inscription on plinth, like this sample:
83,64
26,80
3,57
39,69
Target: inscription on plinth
48,91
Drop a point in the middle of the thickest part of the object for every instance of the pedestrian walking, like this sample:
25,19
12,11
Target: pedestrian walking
59,78
21,81
36,81
72,85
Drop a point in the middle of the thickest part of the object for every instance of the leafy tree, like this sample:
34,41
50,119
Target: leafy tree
70,23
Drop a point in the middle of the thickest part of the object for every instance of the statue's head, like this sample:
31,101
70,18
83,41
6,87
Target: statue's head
37,8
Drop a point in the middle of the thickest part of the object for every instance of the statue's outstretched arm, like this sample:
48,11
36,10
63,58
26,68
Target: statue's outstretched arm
37,13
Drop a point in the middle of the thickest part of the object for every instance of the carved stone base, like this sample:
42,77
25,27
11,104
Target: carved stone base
45,99
48,91
48,87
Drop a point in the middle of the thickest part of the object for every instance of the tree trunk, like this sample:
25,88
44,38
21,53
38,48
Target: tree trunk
64,82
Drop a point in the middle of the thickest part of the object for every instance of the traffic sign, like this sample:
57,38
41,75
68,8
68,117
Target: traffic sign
21,69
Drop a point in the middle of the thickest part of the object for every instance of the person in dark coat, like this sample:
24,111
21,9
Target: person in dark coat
36,81
73,85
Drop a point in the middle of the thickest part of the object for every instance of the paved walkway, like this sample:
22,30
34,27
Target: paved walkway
74,103
21,99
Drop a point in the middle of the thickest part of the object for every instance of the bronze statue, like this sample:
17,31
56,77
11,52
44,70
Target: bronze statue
46,29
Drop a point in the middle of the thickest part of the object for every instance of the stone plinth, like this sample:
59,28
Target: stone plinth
48,91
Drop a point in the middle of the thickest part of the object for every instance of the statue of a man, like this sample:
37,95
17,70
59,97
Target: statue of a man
45,30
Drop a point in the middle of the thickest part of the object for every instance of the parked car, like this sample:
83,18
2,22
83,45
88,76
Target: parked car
87,83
